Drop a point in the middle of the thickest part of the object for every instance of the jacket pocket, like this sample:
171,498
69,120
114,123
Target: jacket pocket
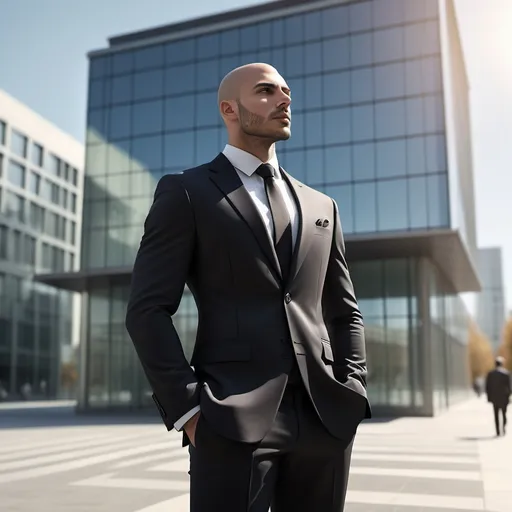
327,354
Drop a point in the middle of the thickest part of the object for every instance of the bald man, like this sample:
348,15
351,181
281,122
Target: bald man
276,387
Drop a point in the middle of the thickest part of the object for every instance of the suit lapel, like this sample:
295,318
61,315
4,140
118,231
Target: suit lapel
227,180
305,230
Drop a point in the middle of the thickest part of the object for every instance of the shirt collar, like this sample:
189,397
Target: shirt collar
247,163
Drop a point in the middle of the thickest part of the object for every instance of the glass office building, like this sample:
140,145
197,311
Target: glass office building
380,123
41,184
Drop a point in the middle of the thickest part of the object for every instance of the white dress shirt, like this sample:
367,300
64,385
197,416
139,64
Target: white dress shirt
246,165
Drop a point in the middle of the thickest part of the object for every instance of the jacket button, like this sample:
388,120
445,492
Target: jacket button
287,298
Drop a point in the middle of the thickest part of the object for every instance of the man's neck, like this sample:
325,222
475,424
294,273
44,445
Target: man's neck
260,150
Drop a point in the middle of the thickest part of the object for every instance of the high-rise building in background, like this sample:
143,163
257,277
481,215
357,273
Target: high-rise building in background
380,122
41,185
490,312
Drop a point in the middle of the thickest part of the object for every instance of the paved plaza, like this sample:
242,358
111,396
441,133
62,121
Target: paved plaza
54,461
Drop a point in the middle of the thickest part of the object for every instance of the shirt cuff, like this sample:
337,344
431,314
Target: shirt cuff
179,424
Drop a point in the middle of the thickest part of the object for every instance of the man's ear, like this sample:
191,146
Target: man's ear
228,109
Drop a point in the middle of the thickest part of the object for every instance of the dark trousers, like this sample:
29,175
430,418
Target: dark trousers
297,467
497,409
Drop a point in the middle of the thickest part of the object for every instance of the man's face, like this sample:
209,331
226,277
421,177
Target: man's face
264,106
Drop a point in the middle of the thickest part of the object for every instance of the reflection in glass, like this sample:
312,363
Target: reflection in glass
147,152
338,167
119,122
336,54
418,208
363,156
391,158
336,91
148,117
392,205
365,207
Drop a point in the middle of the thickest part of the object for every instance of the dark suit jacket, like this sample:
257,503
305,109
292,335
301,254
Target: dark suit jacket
204,230
498,387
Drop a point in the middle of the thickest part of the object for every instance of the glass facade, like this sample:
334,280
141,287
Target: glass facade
368,129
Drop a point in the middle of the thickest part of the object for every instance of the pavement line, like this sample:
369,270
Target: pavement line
416,500
410,458
78,464
106,480
122,442
178,504
146,459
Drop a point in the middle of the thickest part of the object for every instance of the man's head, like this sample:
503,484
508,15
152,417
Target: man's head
500,361
254,102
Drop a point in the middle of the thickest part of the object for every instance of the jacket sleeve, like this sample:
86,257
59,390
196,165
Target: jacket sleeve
159,275
343,317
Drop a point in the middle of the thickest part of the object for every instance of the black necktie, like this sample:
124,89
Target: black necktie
281,217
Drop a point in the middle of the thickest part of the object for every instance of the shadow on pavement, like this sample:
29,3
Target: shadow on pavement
478,438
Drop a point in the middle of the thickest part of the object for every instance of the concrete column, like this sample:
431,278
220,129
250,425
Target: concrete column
14,348
82,392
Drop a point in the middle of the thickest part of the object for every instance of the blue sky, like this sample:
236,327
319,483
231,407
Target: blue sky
43,47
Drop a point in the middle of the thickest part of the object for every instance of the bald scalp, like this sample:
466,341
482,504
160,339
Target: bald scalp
229,88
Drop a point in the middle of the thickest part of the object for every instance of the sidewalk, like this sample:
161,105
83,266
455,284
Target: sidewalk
468,424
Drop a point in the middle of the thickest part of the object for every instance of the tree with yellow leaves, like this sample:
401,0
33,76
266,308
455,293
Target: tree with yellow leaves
481,355
506,343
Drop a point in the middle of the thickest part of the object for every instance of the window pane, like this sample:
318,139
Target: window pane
337,126
388,45
121,91
299,97
416,159
296,164
180,79
16,174
336,54
390,119
120,122
149,84
362,123
314,166
230,41
391,158
152,57
361,52
338,166
96,93
95,242
207,145
313,25
388,12
389,81
179,113
418,208
342,194
362,85
314,133
437,200
392,204
249,38
294,29
436,153
313,57
122,62
298,132
364,161
179,150
207,110
147,152
335,21
180,51
208,75
294,60
432,42
147,117
336,89
434,114
19,144
415,117
37,155
365,208
208,45
34,183
360,15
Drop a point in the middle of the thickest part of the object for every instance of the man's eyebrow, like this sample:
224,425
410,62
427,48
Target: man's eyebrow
271,85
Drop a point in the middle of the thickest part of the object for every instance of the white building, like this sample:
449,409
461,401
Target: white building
491,300
41,189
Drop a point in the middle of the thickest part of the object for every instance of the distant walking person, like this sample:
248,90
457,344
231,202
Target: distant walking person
498,388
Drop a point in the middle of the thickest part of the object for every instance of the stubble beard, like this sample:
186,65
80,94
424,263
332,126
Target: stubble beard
254,125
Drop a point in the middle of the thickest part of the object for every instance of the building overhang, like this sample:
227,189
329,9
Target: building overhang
444,247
